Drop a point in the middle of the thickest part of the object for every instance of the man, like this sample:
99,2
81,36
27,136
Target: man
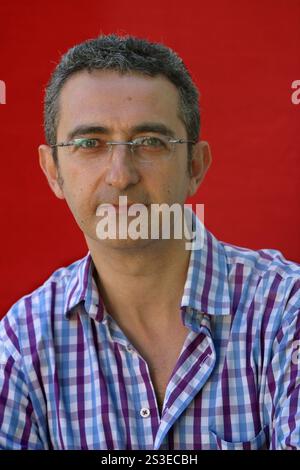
144,344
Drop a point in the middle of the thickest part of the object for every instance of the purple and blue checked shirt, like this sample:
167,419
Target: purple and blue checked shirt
70,379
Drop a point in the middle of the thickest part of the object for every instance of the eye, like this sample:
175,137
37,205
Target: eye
87,143
150,142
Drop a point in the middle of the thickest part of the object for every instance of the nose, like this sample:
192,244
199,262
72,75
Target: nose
121,171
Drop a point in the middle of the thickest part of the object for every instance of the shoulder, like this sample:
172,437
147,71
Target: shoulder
30,316
268,279
263,262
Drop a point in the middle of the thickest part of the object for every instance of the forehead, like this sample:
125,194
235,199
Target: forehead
118,101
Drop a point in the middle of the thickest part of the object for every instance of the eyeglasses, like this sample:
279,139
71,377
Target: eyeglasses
143,149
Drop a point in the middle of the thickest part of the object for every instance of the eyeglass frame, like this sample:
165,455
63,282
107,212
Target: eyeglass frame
131,143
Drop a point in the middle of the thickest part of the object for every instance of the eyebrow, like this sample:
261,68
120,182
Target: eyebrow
156,127
86,129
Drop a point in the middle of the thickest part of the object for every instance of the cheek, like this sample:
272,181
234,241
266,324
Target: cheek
77,182
168,184
77,196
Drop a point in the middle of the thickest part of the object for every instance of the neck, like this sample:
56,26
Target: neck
142,283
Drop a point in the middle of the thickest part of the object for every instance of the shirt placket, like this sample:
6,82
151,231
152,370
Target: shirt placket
189,376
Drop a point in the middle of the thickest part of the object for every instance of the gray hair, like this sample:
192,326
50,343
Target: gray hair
124,54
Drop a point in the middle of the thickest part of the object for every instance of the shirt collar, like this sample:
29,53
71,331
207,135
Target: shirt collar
206,289
82,288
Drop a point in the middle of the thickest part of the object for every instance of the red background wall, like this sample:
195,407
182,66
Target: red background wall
244,56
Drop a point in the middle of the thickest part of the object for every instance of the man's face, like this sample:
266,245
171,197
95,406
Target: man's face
119,104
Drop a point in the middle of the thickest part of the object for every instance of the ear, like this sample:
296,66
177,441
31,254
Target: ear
200,163
51,170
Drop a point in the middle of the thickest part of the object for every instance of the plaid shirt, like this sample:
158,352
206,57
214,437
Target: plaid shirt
70,379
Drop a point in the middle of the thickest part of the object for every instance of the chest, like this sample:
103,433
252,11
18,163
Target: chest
160,349
160,373
161,360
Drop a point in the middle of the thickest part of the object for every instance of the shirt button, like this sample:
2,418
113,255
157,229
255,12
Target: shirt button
145,412
129,348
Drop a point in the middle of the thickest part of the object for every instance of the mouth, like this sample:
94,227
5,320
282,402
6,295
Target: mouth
123,208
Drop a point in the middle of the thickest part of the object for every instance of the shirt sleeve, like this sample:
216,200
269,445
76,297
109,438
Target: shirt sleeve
18,427
283,380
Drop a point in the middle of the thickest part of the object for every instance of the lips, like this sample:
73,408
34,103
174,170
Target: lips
125,207
122,207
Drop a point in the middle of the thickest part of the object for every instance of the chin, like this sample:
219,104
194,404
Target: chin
128,244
